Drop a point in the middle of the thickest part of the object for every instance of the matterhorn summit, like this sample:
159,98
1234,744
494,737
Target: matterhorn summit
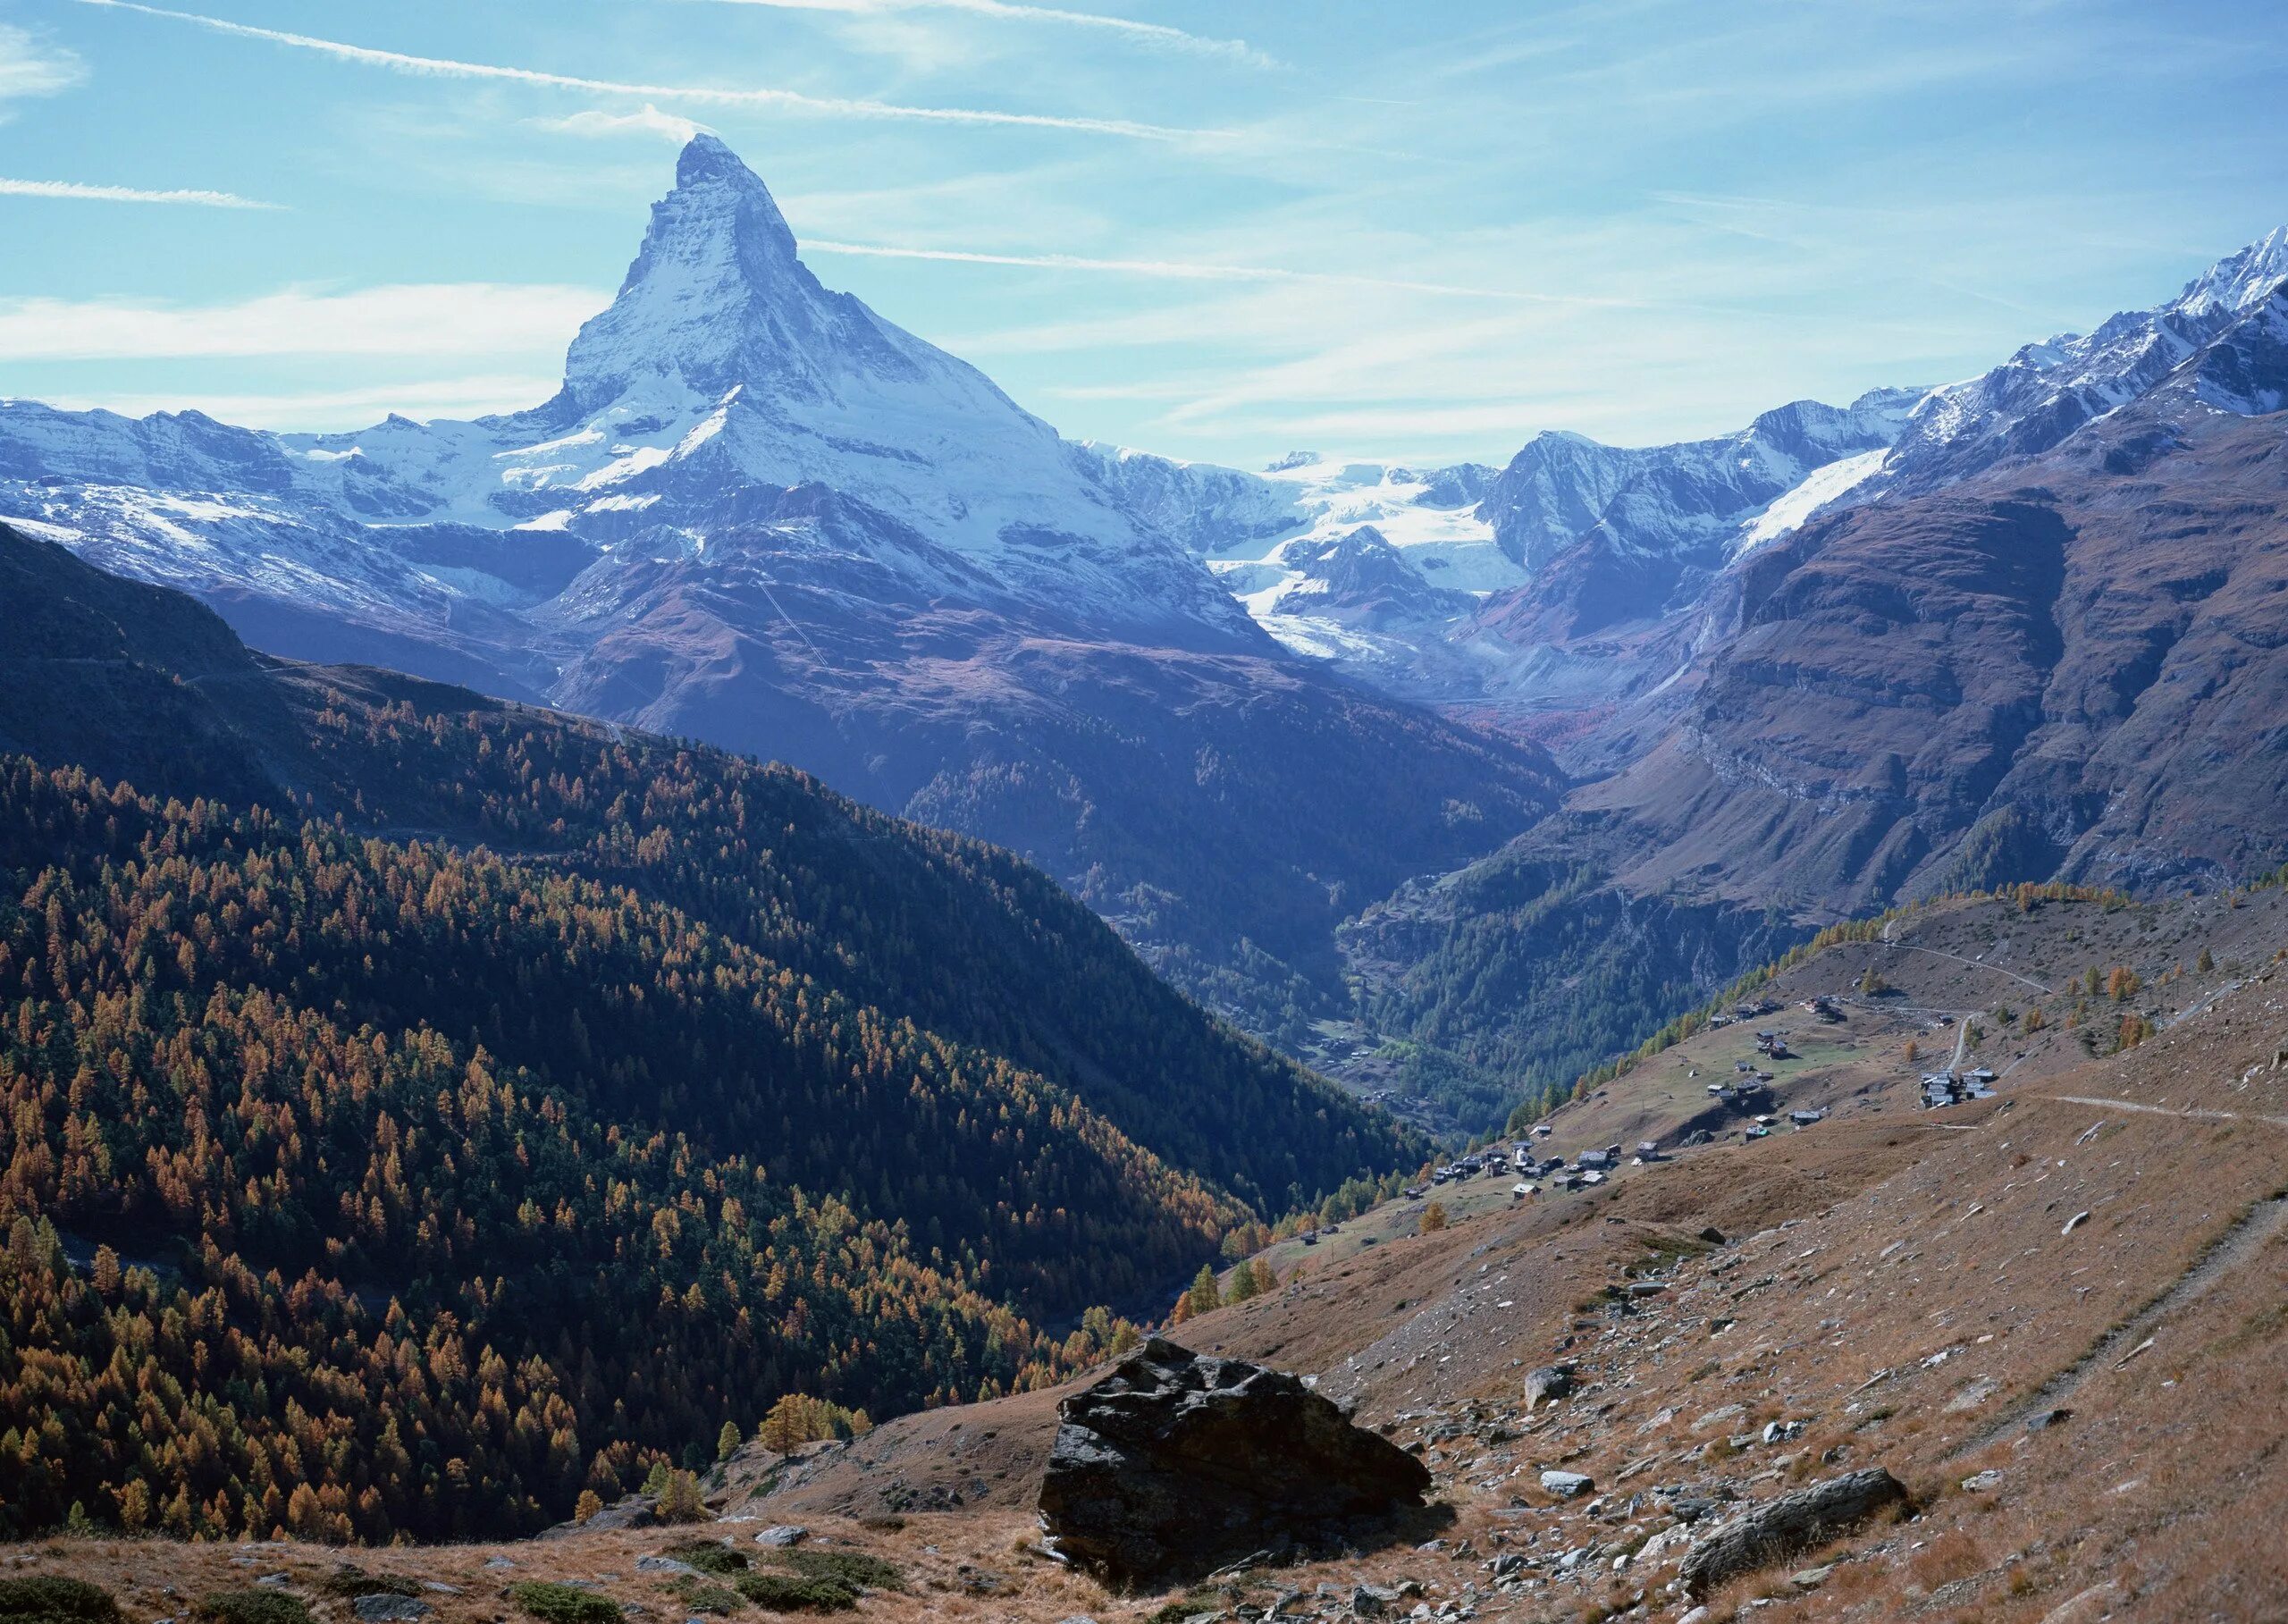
717,301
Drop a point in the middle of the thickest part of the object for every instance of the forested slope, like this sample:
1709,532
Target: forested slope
496,1103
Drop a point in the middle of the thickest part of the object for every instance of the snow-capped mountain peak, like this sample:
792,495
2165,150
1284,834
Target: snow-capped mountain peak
723,376
2241,281
717,297
2048,392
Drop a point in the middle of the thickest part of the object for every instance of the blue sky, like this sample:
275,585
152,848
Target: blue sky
1421,230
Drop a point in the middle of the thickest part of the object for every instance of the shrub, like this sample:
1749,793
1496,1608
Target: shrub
251,1607
707,1557
1433,1217
351,1582
700,1597
563,1604
56,1601
854,1569
793,1593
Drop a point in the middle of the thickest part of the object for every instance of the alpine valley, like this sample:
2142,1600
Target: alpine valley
1451,782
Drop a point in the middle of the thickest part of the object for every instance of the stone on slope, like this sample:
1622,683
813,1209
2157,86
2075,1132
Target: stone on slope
1548,1381
1177,1463
1793,1522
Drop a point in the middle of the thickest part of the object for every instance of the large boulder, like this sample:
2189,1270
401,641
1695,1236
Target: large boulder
1178,1463
1780,1529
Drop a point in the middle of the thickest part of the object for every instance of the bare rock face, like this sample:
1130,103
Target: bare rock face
1177,1463
1779,1528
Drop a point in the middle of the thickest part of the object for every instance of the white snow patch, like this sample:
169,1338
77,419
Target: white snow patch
1791,508
634,462
43,530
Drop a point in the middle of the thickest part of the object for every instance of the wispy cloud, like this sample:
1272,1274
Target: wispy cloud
1157,35
124,194
455,319
1194,270
30,66
400,61
650,122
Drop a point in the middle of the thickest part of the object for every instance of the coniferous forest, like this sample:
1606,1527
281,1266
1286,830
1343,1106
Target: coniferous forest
421,1109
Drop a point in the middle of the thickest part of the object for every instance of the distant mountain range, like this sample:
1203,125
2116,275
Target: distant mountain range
1448,780
757,514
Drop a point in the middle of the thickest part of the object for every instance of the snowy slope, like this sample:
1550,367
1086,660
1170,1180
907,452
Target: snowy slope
1820,488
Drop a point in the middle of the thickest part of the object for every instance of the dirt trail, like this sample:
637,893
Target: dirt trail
2192,1112
2234,1247
1937,953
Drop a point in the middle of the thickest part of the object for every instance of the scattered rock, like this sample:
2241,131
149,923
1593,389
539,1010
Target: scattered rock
1811,1579
1572,1486
1177,1462
2075,1222
628,1511
1795,1521
665,1564
782,1534
382,1608
979,1581
2043,1420
1712,1235
1979,1483
2098,1602
497,1563
1698,1615
1552,1381
1975,1393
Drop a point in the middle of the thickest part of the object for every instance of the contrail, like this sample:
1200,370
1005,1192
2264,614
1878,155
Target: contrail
398,62
1158,34
125,194
1192,271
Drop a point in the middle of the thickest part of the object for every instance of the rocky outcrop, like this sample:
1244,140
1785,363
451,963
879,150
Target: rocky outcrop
1177,1463
1779,1528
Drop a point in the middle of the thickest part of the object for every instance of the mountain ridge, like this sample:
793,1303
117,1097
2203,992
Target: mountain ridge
757,513
1346,748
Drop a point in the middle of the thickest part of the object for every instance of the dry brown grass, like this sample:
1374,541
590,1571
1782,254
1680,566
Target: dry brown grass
1922,1268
